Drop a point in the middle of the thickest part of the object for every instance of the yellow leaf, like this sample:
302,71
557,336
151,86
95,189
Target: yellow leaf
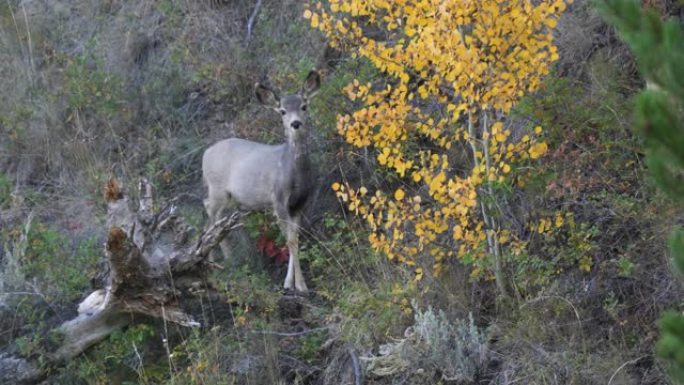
559,220
538,150
458,232
538,130
335,186
540,228
399,194
419,274
585,264
307,14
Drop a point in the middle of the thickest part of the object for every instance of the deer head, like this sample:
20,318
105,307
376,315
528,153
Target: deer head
292,108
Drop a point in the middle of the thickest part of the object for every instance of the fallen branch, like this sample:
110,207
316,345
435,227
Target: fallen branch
357,367
152,261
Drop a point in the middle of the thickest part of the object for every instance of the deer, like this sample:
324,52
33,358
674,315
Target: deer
248,175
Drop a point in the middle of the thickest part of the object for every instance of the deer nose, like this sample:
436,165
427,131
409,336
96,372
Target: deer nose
296,124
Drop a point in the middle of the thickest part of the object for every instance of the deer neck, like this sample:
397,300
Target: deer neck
298,155
294,182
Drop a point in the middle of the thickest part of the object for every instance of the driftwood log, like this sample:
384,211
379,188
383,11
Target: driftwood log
153,261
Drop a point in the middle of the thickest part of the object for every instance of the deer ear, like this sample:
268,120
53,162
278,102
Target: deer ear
266,96
311,84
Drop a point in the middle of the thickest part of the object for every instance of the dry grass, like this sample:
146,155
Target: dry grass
101,88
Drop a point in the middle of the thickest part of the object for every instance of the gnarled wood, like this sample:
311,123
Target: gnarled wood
152,258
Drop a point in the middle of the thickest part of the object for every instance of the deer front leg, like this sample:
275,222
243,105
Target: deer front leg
294,278
294,272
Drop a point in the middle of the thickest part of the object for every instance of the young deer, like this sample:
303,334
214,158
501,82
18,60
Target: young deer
254,175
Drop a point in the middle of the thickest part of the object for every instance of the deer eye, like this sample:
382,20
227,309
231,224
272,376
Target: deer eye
283,112
304,107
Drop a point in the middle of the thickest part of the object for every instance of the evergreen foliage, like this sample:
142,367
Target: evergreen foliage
659,49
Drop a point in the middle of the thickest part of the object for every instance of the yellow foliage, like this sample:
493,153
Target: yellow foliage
585,263
399,194
447,61
538,150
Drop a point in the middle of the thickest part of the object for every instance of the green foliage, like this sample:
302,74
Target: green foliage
318,254
259,223
436,348
5,191
676,242
310,346
671,342
457,349
625,266
660,120
330,98
29,346
659,48
371,314
57,263
532,272
90,87
250,287
119,358
592,172
197,358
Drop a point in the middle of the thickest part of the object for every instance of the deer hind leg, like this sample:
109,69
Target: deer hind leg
214,204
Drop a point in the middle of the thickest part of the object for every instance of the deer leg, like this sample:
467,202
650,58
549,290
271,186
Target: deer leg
294,271
214,204
289,278
285,227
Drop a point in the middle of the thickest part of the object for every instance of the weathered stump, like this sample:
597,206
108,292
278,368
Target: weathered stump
153,262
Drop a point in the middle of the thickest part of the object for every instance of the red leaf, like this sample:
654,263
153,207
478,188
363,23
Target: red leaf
261,243
280,254
271,249
283,255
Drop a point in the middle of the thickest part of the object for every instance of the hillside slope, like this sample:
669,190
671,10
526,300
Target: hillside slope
95,89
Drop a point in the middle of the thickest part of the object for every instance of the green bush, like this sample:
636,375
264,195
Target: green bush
5,191
58,264
659,49
458,349
89,88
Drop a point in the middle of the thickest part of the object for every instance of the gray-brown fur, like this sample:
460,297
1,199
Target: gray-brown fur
250,175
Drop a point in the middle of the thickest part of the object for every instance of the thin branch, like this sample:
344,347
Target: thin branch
290,334
252,19
631,362
29,43
357,367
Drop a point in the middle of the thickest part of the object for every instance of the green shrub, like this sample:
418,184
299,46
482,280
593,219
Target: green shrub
89,88
659,50
122,358
5,191
458,349
58,264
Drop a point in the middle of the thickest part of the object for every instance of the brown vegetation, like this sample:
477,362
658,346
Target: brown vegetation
95,89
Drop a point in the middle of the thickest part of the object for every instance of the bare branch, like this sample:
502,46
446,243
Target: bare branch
252,19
